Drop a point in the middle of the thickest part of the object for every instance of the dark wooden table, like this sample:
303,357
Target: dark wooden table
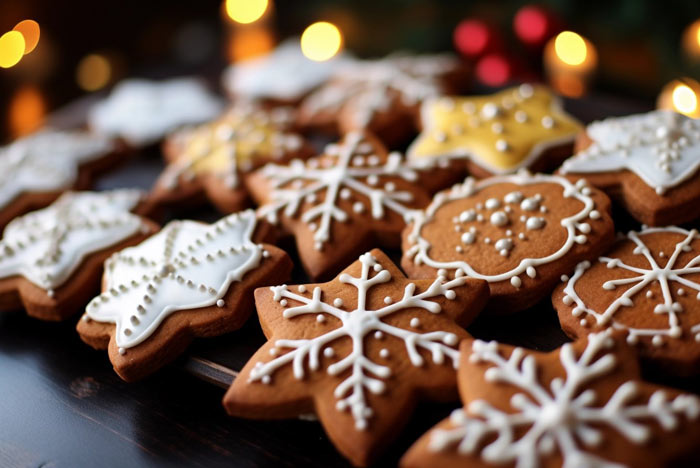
61,405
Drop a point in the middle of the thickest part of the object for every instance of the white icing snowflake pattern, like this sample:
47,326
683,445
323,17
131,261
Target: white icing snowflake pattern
654,273
46,246
358,324
564,417
356,169
661,147
187,265
47,161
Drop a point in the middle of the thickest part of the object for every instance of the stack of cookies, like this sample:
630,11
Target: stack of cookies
497,204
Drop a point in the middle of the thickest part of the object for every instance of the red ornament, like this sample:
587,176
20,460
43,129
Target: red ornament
533,25
472,37
494,70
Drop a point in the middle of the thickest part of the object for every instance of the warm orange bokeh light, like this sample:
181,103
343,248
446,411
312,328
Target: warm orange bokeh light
245,11
31,32
682,96
250,42
93,72
321,41
26,111
691,40
11,48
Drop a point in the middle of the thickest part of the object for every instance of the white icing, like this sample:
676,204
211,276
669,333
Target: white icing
143,112
329,180
47,246
47,161
661,147
419,249
187,265
499,219
284,74
534,223
665,276
359,325
566,416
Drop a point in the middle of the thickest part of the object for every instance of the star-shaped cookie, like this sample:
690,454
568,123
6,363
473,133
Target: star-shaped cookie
36,169
358,351
522,127
382,96
51,259
189,280
212,159
352,197
142,112
582,405
649,162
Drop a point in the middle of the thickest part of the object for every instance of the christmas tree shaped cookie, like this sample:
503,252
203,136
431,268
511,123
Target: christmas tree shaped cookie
358,351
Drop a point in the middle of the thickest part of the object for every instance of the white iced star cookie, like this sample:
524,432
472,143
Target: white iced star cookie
582,405
359,350
142,112
50,259
648,286
650,162
189,280
36,169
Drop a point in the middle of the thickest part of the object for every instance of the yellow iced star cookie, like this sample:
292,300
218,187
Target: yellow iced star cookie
500,133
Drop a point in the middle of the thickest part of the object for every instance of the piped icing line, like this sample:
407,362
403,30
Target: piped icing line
566,416
360,325
187,265
575,225
356,171
661,147
231,145
47,161
665,276
47,246
497,119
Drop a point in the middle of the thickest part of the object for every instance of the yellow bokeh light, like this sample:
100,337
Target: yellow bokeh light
26,111
246,11
250,42
570,48
684,99
11,48
321,41
31,32
94,72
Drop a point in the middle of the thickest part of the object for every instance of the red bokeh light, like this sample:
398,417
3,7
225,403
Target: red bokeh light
532,24
494,70
471,37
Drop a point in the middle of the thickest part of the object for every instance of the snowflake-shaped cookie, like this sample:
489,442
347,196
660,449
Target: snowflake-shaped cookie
142,112
50,246
500,133
212,158
187,266
649,286
49,161
359,350
580,406
518,232
335,204
379,95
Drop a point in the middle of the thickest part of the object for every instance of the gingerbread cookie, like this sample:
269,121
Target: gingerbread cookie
141,112
337,205
650,163
382,96
523,127
647,285
210,160
518,232
50,259
358,351
189,280
283,76
36,169
582,405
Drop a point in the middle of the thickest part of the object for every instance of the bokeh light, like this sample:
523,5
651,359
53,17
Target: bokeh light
11,48
531,24
493,70
321,41
682,96
26,111
246,11
250,42
570,48
471,37
93,72
691,40
684,99
30,31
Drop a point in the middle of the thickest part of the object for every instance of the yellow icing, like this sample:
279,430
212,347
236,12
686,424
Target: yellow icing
501,132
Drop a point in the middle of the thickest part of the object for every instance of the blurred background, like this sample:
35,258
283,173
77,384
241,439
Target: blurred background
52,53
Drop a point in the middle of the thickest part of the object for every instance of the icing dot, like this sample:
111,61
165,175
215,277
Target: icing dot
467,216
283,302
526,90
547,121
338,302
415,323
266,379
487,240
516,282
490,110
530,204
583,322
513,197
328,352
531,272
384,353
504,246
520,116
122,351
468,238
657,341
497,128
301,288
681,292
499,218
320,318
650,294
358,207
492,203
388,300
378,335
502,145
220,303
567,300
564,278
521,236
534,223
